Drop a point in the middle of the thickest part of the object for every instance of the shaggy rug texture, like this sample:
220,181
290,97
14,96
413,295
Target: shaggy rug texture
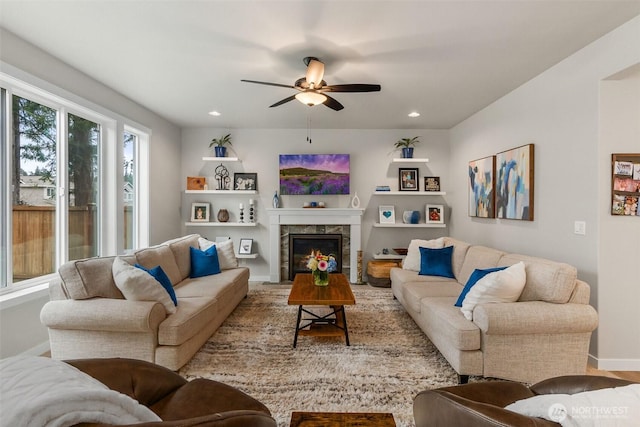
389,361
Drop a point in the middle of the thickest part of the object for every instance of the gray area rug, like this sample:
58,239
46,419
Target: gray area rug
389,361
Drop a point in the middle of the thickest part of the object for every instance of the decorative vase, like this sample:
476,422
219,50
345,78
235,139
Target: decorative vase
320,278
276,200
223,215
220,151
355,202
407,152
411,217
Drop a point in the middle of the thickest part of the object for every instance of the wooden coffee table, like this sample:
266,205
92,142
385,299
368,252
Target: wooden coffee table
336,295
341,419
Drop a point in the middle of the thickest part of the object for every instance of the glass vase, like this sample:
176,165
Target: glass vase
320,278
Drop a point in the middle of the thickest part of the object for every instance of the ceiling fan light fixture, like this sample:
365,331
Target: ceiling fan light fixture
311,98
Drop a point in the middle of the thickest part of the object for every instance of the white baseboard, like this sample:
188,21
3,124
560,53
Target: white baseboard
615,364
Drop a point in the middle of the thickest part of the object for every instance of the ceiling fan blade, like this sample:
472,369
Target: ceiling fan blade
268,83
315,73
357,87
333,104
284,101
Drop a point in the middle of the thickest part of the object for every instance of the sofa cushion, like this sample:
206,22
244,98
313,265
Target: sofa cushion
212,286
499,286
547,280
435,287
478,257
138,285
412,260
90,278
204,263
460,249
473,279
449,322
189,319
436,262
160,255
180,248
226,254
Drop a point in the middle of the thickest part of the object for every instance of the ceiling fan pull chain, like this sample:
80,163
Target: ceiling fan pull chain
309,127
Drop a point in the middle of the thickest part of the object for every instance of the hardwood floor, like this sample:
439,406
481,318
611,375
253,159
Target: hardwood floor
625,375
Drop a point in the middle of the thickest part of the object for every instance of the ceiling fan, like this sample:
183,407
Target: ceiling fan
312,89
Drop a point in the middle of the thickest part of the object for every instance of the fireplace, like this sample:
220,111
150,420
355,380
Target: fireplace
345,221
303,246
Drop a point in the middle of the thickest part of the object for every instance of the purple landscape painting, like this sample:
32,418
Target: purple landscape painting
302,174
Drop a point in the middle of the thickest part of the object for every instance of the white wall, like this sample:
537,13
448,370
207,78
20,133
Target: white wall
20,328
370,154
558,112
618,248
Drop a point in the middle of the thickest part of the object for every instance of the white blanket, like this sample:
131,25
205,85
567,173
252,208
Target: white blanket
38,391
610,407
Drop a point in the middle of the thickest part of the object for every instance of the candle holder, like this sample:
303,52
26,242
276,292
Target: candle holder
251,211
241,214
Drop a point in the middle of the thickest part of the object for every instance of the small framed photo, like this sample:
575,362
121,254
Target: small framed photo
387,214
245,246
431,183
196,182
408,179
435,214
200,212
245,181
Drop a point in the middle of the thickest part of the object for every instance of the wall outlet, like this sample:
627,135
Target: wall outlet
580,227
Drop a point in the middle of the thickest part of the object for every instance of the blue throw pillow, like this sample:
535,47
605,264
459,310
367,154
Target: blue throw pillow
436,262
204,263
159,274
473,279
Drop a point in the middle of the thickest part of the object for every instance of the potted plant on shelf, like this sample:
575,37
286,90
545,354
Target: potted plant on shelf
407,145
218,145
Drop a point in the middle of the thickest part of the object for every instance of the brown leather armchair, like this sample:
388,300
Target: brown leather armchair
178,402
482,404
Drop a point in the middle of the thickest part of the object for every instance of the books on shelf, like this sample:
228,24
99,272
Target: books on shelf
383,188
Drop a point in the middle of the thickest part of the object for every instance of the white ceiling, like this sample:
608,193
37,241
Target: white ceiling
444,59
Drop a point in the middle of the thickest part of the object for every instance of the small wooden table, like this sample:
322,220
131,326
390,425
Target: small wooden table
341,419
336,295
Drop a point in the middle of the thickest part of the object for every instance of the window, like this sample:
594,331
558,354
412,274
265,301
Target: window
61,198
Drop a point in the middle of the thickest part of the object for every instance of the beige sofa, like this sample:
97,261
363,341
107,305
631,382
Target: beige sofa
544,334
88,316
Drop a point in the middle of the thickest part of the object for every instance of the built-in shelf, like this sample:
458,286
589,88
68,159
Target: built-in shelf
388,256
410,193
220,159
220,224
246,256
412,160
403,225
218,192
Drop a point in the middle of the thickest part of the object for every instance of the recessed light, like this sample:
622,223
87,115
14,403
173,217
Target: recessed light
414,114
214,113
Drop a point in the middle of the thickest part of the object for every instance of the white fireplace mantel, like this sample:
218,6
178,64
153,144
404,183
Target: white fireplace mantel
314,216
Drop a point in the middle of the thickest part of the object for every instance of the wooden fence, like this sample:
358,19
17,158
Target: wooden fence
34,237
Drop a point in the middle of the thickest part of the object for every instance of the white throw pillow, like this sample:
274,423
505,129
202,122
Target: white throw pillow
500,286
412,260
619,406
226,254
138,285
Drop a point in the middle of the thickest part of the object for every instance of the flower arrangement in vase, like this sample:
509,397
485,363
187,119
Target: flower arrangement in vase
320,266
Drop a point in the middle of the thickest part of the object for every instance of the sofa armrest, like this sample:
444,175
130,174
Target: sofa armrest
534,317
224,419
572,384
439,408
103,314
